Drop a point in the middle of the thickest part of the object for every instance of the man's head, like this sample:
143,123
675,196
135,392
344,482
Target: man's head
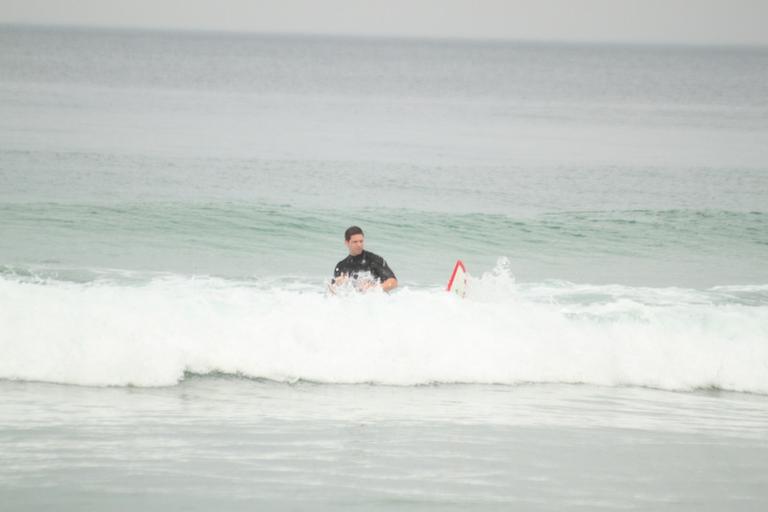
354,239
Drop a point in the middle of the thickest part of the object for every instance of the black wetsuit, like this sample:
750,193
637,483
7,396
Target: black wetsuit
364,262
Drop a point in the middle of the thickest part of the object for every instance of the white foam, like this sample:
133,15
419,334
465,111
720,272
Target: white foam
108,333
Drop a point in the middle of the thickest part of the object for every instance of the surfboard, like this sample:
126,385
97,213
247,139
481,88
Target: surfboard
458,282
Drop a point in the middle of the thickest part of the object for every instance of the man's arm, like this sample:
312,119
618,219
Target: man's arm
389,285
385,275
338,276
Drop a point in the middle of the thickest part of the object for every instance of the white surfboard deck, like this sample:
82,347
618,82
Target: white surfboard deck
458,282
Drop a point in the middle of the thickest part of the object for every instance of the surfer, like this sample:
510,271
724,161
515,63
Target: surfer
361,263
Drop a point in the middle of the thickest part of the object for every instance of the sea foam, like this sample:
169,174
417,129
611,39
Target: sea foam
152,334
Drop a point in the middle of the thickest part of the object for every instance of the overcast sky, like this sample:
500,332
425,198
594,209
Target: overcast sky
643,21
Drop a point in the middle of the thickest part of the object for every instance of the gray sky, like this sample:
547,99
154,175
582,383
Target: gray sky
644,21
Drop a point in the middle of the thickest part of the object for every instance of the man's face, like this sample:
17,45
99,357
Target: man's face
355,244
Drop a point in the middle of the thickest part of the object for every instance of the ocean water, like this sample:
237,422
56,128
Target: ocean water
172,205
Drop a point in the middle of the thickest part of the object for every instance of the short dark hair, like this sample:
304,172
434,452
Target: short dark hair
352,230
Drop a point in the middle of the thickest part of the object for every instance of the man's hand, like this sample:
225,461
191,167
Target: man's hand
389,285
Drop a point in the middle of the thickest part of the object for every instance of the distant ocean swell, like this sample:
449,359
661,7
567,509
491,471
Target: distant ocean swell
152,333
238,240
249,220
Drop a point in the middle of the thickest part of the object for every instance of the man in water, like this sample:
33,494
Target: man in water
361,262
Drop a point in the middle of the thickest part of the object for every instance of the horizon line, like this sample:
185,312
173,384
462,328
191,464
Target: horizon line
378,37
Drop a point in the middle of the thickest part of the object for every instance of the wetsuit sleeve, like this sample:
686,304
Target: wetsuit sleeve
342,267
381,270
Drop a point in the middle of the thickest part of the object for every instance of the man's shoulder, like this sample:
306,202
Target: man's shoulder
379,266
345,260
373,257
